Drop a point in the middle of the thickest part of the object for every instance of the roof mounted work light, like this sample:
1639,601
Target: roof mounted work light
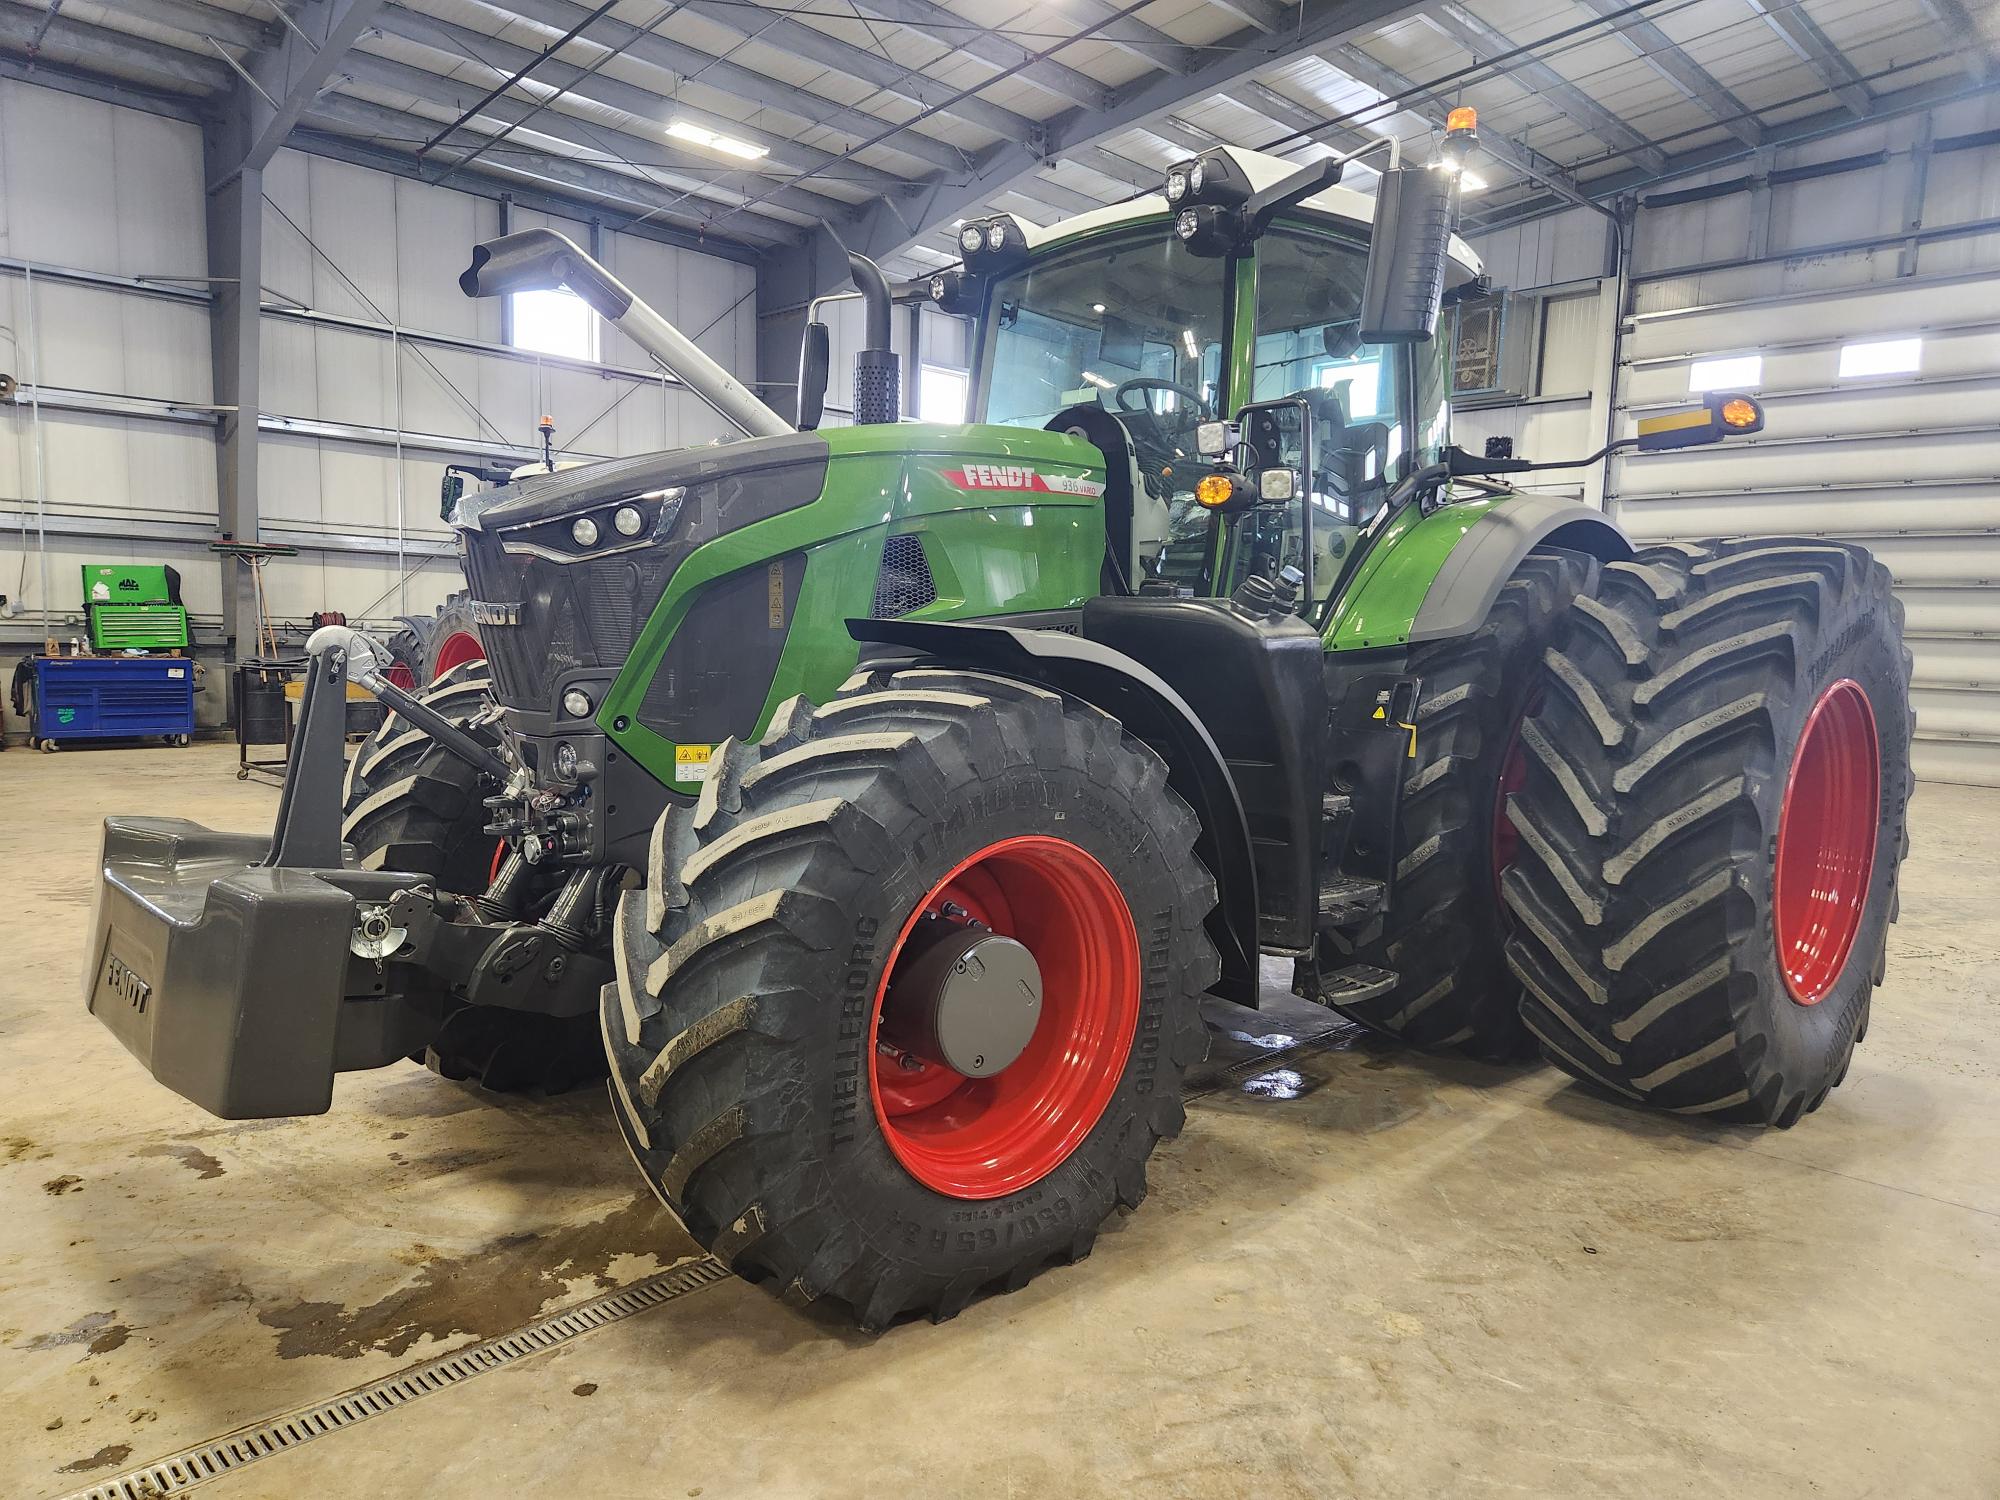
1211,178
990,245
955,292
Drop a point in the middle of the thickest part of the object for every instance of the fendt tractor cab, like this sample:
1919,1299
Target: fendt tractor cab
877,803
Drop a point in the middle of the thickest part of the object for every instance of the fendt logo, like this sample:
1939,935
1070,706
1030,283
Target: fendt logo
1020,479
126,985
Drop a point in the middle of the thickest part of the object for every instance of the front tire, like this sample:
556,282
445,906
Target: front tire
751,1065
1711,826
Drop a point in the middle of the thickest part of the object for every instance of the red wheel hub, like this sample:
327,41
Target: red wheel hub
1826,840
455,650
983,1138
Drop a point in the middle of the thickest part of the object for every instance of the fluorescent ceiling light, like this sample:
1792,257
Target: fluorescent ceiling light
1188,343
701,135
1883,357
1738,372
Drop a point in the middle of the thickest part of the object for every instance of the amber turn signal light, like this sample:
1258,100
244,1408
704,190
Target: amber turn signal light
1214,490
1739,412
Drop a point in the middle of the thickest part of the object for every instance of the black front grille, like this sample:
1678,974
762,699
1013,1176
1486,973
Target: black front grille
905,582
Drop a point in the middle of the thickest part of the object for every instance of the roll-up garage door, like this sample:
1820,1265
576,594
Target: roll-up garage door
1904,461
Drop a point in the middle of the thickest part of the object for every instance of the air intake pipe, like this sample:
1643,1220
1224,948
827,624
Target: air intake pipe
878,375
540,260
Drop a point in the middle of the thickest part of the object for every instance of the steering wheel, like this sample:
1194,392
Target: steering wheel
1195,400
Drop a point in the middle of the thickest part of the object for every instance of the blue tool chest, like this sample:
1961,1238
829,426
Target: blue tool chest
113,697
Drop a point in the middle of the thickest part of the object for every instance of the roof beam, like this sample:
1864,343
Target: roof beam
734,79
1962,33
882,229
97,49
1147,43
1816,50
776,30
1920,96
1266,101
343,114
1664,56
462,43
1459,24
954,31
1431,107
1268,16
707,180
286,77
206,21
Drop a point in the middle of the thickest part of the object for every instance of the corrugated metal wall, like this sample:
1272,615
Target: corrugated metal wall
1902,241
377,370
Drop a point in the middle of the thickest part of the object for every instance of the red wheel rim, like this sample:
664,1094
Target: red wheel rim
400,674
987,1137
1826,840
458,648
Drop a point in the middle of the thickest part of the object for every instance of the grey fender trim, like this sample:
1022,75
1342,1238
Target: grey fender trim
1471,579
1152,711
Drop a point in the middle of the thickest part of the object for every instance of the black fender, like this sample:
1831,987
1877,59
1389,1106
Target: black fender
1462,595
1151,710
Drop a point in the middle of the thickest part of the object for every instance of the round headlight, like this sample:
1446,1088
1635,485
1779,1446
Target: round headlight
577,704
1186,224
627,520
996,235
1197,175
968,237
1176,186
566,761
584,530
937,289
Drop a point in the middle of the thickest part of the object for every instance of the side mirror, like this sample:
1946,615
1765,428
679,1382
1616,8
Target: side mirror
449,494
1414,207
815,361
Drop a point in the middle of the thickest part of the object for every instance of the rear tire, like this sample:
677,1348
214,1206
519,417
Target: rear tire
1445,934
752,967
410,805
1671,780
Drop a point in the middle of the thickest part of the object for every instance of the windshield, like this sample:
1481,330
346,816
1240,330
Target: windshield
1139,328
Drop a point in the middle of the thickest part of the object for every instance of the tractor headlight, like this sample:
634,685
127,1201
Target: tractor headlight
628,520
583,531
969,238
1197,175
1187,226
566,759
576,703
996,236
1177,185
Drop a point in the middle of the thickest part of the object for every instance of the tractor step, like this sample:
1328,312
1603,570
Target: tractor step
1344,900
1349,986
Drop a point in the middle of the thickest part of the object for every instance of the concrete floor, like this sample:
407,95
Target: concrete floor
1360,1273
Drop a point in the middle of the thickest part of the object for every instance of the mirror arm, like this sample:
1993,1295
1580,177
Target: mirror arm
1462,463
1262,207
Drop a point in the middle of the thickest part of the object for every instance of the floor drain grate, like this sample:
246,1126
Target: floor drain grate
182,1471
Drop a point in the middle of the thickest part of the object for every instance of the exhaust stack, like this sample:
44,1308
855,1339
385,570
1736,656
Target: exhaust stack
540,260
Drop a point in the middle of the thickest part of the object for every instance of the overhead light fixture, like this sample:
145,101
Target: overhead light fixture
1097,307
1098,380
715,140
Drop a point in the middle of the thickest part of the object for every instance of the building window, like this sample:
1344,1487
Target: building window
1883,357
1738,372
558,323
940,394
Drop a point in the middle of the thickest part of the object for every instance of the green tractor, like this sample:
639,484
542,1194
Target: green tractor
877,804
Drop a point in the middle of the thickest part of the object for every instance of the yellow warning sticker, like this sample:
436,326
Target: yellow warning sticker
691,762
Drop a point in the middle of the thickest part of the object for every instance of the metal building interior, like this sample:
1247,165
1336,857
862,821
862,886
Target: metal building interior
235,343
